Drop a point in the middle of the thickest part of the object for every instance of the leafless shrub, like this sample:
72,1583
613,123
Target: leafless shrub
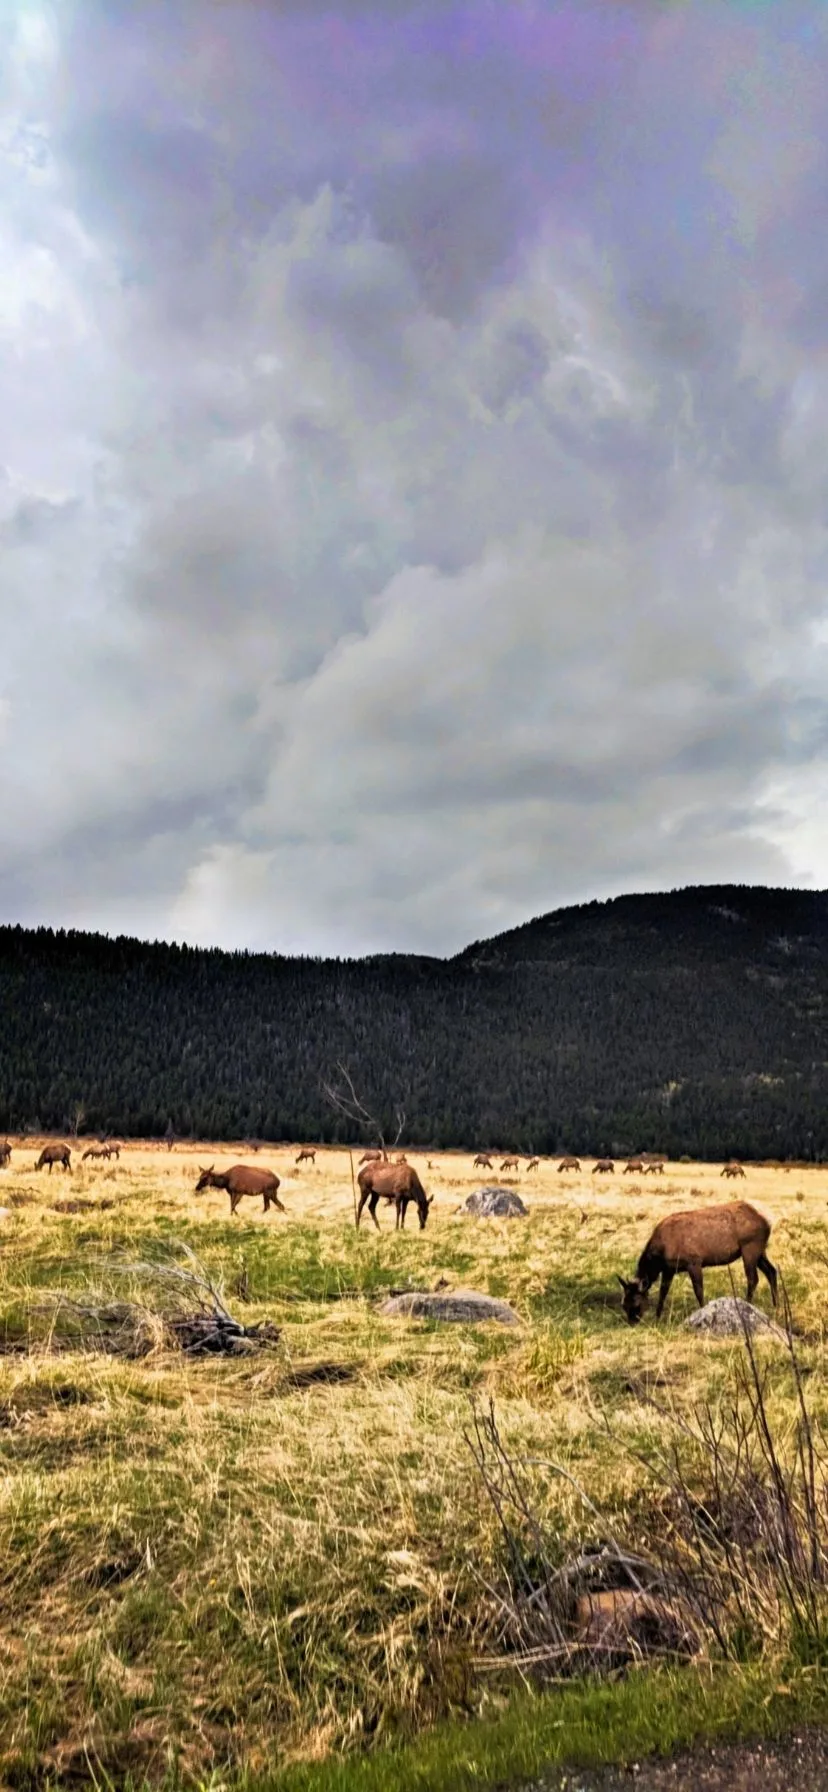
736,1556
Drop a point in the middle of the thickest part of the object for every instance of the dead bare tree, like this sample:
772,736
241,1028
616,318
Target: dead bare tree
346,1101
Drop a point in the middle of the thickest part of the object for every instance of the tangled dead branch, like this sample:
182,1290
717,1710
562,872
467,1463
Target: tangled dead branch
196,1320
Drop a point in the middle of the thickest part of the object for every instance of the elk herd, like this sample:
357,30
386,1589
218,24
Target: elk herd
682,1243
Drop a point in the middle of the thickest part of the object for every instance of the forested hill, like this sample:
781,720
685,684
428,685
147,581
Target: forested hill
695,1022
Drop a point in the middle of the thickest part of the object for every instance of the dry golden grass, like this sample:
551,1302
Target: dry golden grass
218,1559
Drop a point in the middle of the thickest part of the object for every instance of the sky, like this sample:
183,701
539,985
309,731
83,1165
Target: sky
413,462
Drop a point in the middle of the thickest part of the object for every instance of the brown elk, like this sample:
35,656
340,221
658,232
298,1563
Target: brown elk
5,1154
654,1163
604,1167
568,1163
55,1154
97,1151
510,1163
392,1182
307,1155
733,1169
374,1156
482,1161
635,1164
242,1179
533,1163
702,1238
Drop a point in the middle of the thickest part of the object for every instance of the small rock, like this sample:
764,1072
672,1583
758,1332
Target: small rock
728,1317
464,1307
499,1203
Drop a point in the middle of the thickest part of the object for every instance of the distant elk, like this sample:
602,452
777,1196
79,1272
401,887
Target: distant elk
510,1163
96,1151
374,1156
569,1163
392,1182
307,1155
702,1238
242,1179
733,1169
532,1164
482,1161
604,1167
55,1154
114,1149
5,1155
653,1162
636,1165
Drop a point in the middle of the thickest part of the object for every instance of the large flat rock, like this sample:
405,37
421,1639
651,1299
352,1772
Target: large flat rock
464,1306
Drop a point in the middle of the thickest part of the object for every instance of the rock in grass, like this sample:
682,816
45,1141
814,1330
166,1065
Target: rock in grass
464,1306
500,1203
728,1317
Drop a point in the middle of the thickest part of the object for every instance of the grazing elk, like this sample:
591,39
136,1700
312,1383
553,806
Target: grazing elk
510,1163
702,1238
654,1163
604,1167
569,1163
733,1169
482,1161
55,1154
636,1165
5,1154
392,1182
532,1164
96,1151
307,1155
374,1156
242,1179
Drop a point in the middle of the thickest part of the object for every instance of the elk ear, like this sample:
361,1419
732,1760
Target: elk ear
625,1285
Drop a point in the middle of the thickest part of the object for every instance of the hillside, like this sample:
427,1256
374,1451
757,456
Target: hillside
695,1022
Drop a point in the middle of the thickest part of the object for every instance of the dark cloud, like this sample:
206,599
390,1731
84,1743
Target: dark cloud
414,484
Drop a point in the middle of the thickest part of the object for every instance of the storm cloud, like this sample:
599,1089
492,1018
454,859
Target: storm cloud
413,484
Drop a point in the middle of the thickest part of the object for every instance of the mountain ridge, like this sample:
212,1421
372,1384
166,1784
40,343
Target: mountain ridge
694,1020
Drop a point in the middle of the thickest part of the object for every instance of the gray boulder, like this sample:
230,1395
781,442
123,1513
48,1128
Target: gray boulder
498,1203
728,1317
463,1306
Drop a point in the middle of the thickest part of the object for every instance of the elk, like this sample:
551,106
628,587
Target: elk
307,1155
5,1154
482,1161
373,1156
604,1167
532,1164
733,1169
654,1163
634,1164
568,1163
392,1182
54,1154
702,1238
510,1163
96,1151
242,1179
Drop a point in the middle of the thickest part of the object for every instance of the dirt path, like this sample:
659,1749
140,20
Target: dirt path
797,1764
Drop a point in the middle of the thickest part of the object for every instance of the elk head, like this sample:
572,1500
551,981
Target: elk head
423,1211
204,1178
635,1299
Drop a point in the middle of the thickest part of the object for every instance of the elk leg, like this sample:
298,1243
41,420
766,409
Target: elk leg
664,1289
362,1200
266,1199
695,1274
372,1209
764,1263
234,1202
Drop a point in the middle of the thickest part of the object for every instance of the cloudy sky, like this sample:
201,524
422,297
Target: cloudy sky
413,461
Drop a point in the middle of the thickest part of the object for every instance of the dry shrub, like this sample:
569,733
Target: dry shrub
736,1546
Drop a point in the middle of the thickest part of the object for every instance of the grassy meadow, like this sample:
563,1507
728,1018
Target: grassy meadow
227,1572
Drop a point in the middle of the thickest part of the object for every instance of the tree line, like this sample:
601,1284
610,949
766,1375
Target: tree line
693,1023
